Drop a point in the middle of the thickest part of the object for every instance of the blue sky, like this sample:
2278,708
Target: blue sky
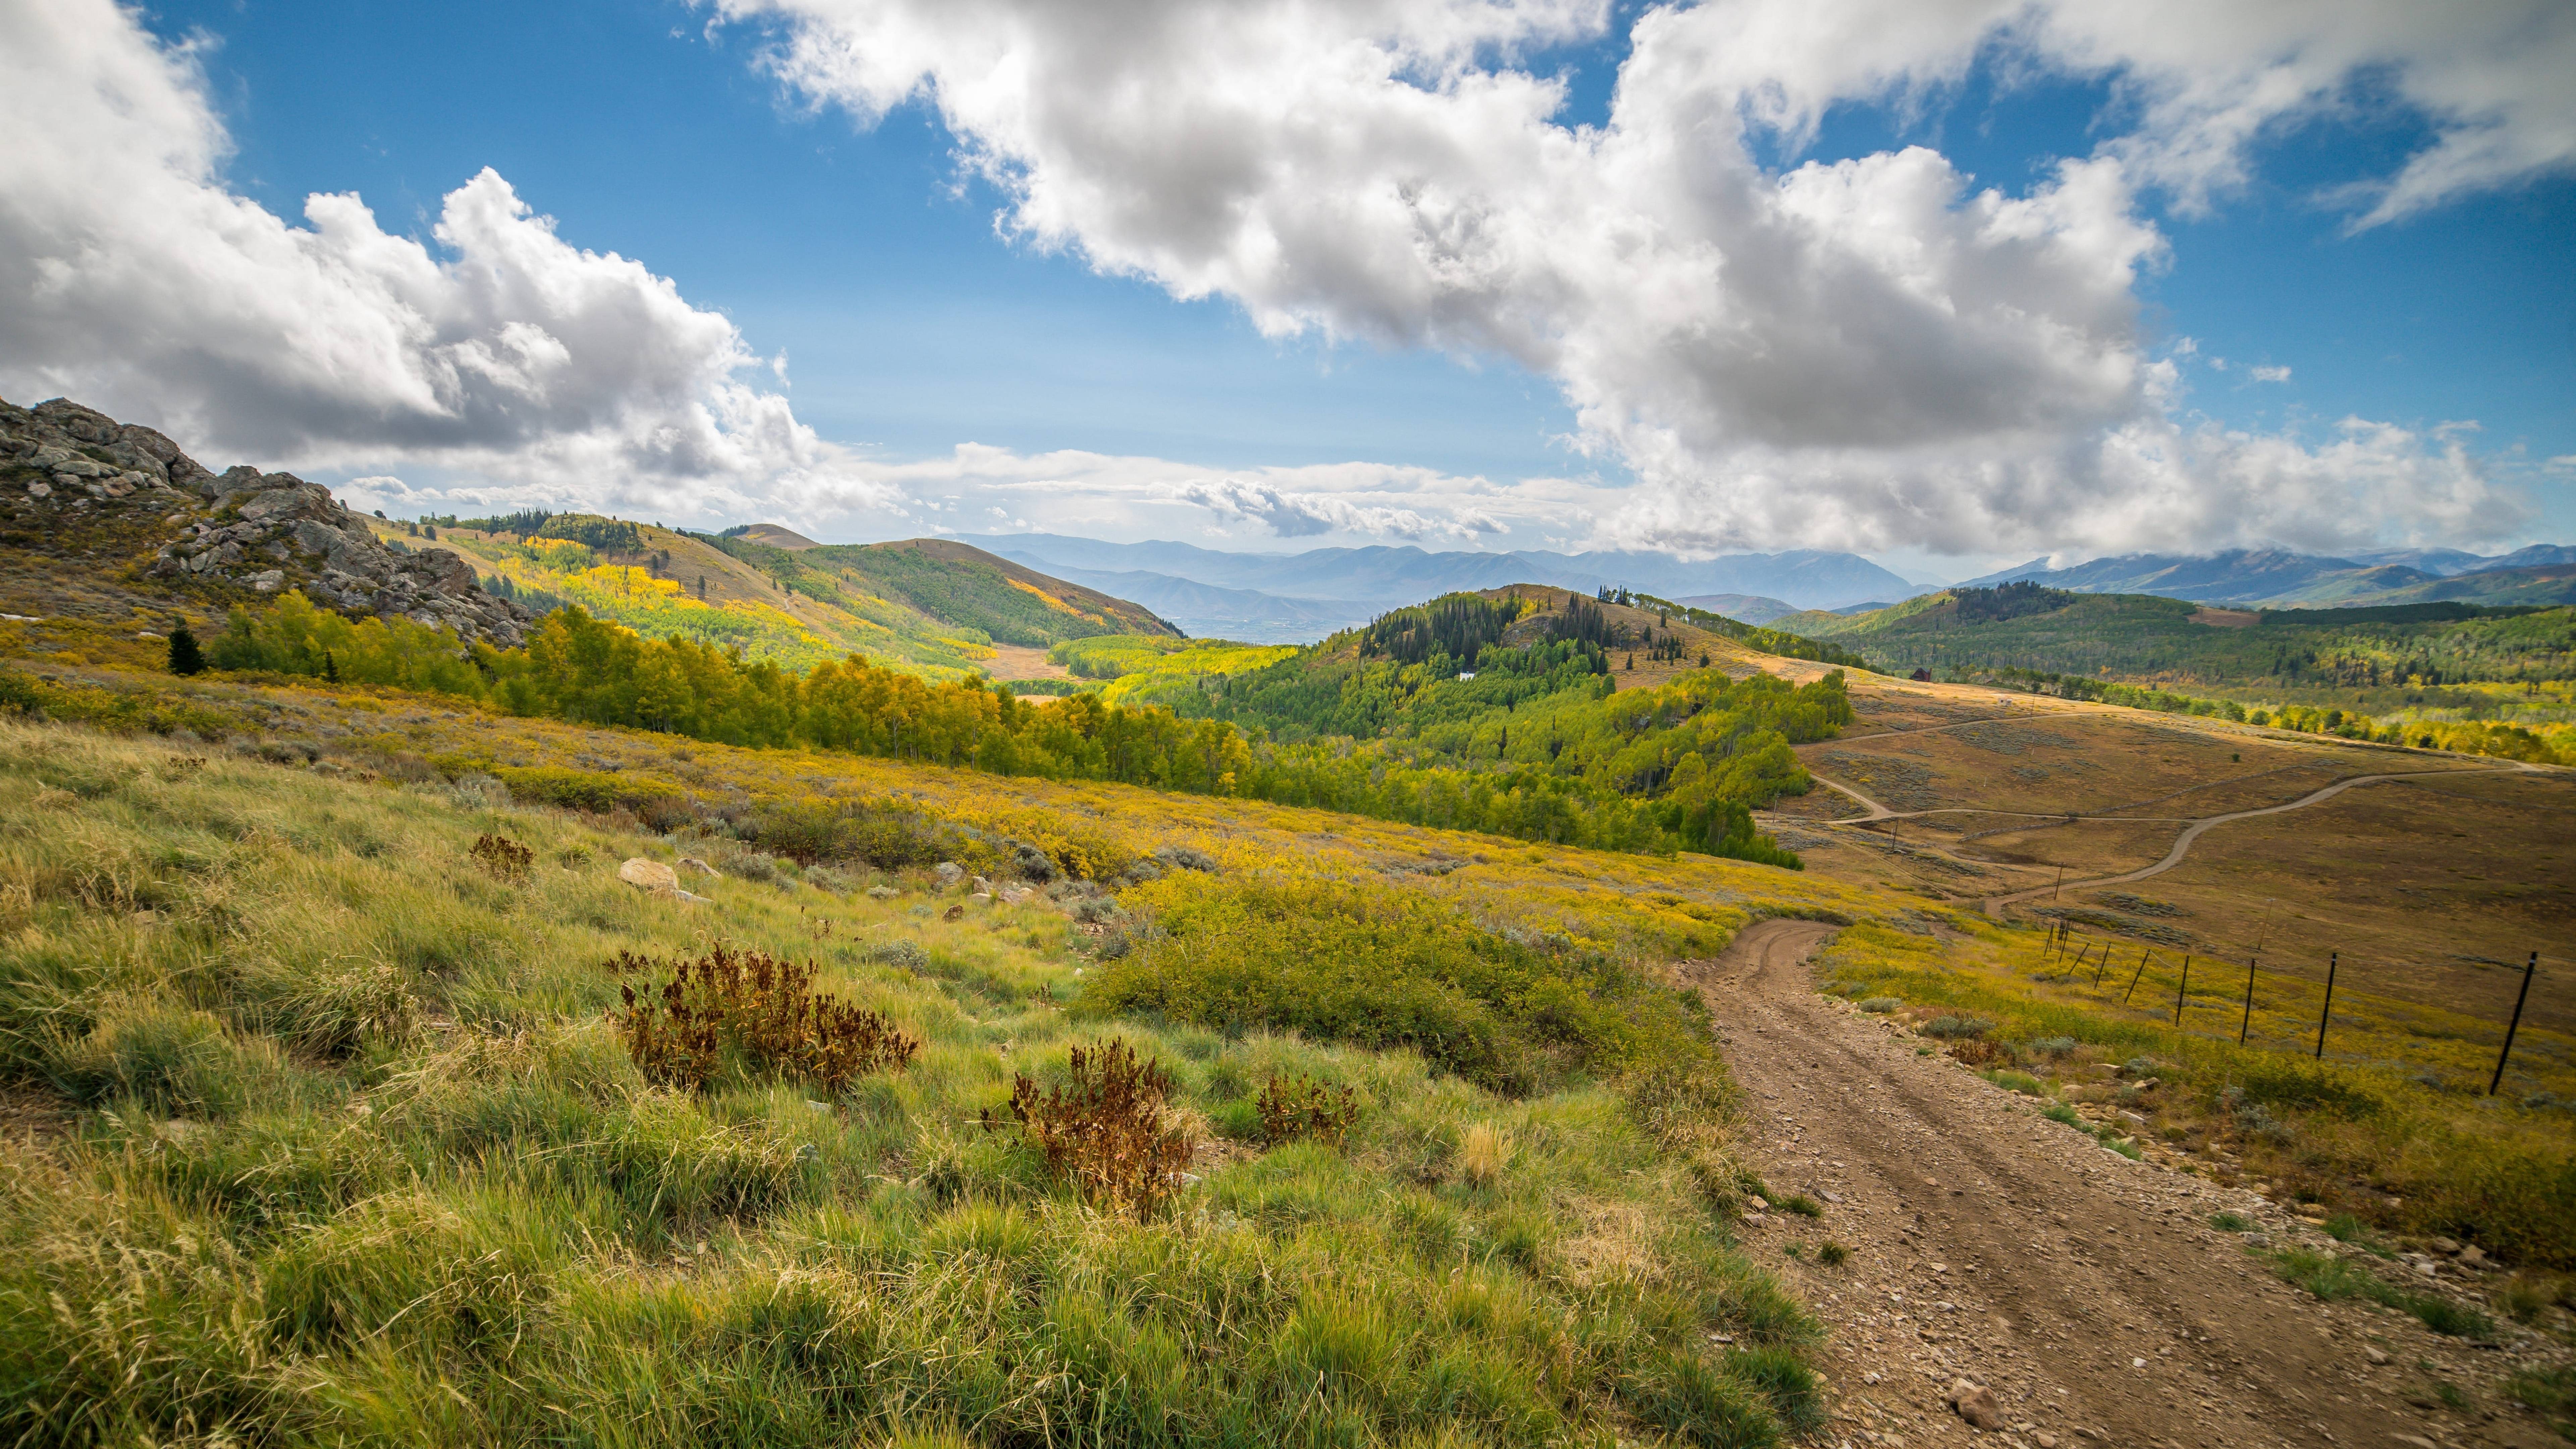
910,325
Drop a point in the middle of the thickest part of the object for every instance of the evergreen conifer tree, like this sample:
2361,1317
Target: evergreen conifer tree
185,656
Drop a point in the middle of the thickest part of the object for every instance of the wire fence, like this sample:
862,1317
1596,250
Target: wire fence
2303,998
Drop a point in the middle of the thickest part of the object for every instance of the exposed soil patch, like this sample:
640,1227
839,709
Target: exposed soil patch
1020,661
2088,1292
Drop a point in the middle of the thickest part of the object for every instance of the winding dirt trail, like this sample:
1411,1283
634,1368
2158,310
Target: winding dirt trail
2192,831
2089,1292
2192,826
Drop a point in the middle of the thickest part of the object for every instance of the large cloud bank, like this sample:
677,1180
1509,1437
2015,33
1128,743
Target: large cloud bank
1871,353
131,278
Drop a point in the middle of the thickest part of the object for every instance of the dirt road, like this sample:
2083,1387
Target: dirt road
2089,1292
2193,826
2192,832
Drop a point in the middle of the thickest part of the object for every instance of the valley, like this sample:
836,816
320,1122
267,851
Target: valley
1709,1038
2431,888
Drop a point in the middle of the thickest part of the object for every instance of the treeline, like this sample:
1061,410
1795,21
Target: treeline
2414,648
1649,771
1754,636
2471,737
608,535
1458,625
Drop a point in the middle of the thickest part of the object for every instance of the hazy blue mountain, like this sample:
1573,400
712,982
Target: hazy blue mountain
1388,576
2439,562
2234,576
2278,578
1743,608
2539,555
1205,611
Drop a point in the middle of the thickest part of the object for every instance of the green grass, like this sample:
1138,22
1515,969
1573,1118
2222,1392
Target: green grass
2550,1391
2022,1082
343,1149
2227,1222
1382,966
2334,1279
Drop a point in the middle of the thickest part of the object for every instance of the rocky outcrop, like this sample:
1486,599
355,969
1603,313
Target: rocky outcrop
262,533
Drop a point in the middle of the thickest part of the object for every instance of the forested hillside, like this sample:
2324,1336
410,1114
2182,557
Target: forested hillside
2146,639
1540,744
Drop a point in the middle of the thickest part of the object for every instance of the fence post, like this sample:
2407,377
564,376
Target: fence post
2136,976
2516,1024
2104,966
2181,987
2054,890
2247,1024
2323,1016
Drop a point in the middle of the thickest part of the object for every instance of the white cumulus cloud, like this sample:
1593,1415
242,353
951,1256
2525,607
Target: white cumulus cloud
132,278
1871,353
1291,514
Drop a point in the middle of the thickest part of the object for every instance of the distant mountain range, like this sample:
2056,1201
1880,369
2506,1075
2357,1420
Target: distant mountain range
2279,579
1297,597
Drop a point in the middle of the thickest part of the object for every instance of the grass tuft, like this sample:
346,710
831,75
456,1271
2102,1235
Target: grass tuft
2334,1279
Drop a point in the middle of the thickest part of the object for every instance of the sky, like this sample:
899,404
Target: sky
1949,283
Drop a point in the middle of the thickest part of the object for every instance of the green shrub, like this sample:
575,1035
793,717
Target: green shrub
594,791
2275,1083
1881,1005
1381,967
1957,1028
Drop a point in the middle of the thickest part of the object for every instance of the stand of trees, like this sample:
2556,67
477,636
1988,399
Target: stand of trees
1652,770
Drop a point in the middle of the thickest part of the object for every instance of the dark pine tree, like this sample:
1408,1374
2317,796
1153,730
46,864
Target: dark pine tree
185,656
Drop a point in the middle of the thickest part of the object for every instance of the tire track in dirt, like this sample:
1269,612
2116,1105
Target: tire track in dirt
2088,1291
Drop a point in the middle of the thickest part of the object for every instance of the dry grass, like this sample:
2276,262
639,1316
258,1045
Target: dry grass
1484,1153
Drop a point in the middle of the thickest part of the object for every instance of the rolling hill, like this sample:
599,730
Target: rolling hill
2490,662
929,605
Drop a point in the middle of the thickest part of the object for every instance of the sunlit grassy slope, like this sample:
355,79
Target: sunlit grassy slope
329,1138
1145,668
926,605
324,1135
